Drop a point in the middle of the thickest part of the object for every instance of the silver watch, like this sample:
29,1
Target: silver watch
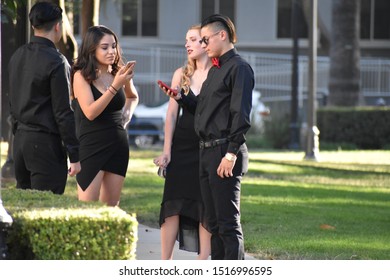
230,157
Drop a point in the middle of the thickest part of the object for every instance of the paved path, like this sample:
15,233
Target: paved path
149,246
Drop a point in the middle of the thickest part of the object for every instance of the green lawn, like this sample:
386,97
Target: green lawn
337,208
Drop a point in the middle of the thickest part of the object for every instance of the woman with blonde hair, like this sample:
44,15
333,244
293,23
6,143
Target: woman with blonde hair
182,208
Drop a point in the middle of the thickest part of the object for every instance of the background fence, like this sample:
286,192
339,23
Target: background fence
272,75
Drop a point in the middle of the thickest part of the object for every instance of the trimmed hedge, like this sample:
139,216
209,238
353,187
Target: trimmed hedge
57,227
365,127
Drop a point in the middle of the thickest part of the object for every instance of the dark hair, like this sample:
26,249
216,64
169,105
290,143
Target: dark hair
222,22
86,61
44,15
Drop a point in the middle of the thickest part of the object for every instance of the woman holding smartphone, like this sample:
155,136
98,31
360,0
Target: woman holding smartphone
182,208
104,99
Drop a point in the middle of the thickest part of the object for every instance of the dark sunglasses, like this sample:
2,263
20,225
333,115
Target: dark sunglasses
206,39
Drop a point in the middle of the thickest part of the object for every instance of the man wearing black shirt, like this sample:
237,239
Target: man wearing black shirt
43,122
221,122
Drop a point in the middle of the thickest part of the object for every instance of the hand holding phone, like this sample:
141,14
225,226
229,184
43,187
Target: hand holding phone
164,85
129,64
162,172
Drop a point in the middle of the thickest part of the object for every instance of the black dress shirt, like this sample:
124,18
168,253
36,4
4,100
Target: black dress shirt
225,101
39,92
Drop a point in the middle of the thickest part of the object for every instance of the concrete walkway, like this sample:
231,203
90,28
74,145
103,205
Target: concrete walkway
149,246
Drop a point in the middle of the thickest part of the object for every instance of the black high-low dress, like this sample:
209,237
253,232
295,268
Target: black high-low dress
103,141
181,190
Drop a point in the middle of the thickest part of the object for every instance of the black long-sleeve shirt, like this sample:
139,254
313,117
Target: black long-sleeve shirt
225,101
39,92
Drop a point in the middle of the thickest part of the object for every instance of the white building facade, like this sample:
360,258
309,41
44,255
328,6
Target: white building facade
153,33
262,25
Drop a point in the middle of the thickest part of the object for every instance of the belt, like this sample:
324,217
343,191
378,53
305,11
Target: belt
211,143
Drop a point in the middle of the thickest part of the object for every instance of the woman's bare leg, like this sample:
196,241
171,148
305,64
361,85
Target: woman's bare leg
168,234
205,243
112,185
92,193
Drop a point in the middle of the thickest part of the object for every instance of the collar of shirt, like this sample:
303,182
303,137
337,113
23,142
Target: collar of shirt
226,56
42,40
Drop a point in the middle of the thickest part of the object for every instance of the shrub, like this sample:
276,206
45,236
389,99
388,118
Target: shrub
54,227
365,127
277,132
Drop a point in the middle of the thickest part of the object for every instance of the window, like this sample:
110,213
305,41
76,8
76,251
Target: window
382,19
224,7
285,10
139,18
365,19
375,20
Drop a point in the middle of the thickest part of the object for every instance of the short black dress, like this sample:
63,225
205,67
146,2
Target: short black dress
182,190
103,141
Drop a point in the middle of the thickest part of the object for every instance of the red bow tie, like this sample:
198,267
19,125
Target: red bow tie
215,62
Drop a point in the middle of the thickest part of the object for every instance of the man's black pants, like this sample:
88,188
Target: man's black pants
221,198
40,161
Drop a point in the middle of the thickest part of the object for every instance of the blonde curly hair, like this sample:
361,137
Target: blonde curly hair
189,68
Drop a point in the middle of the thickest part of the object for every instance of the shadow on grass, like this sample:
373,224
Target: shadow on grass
320,192
295,220
341,170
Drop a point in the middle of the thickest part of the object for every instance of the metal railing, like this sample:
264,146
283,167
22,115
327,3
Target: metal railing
272,74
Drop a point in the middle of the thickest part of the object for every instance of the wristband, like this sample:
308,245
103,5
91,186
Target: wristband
113,93
113,87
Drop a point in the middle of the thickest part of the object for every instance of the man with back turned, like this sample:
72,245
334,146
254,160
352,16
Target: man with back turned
43,122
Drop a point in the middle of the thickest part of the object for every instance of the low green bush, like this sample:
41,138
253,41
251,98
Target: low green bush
364,127
327,146
57,227
346,128
256,141
277,131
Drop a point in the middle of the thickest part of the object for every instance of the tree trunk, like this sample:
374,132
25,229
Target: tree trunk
89,14
67,45
344,74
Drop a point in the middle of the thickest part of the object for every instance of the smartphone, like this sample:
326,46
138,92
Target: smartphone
129,64
162,172
164,85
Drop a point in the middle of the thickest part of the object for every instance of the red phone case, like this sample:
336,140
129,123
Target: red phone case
167,87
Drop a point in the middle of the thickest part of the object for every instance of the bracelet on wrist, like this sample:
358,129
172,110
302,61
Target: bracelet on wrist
113,87
112,92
